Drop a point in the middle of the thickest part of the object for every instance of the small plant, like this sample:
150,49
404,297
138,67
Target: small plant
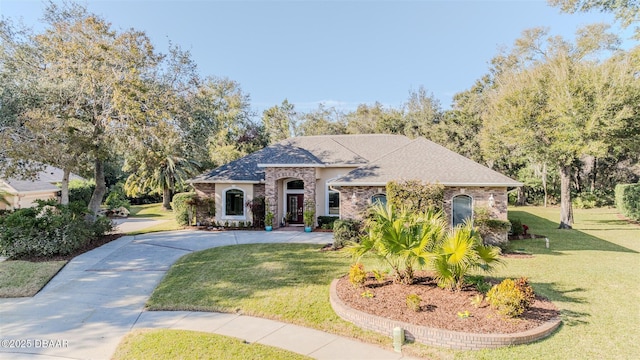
309,213
241,224
357,275
516,227
511,297
380,275
413,302
479,283
476,301
464,315
268,219
226,224
367,294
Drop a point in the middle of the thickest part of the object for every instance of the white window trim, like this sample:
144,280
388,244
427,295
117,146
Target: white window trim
452,206
224,205
326,202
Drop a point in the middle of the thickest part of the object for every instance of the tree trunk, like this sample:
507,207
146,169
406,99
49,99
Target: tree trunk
521,200
594,173
566,210
166,198
100,190
64,191
544,183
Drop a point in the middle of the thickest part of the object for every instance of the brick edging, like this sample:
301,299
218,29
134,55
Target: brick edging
438,337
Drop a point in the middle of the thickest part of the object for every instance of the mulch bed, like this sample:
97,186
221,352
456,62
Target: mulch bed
440,308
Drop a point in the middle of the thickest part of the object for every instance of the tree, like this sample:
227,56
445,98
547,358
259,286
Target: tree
626,11
555,101
421,113
90,86
322,121
278,121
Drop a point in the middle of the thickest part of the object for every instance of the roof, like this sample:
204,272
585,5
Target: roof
375,158
427,161
45,180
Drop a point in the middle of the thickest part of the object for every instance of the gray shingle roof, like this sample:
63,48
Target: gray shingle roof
378,159
45,181
424,160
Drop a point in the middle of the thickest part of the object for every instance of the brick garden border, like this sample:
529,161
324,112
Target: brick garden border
438,337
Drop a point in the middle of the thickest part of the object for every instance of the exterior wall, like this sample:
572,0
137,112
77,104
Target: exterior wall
219,196
324,175
273,187
353,207
203,212
480,196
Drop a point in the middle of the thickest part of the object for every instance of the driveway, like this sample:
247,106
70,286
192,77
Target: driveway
98,297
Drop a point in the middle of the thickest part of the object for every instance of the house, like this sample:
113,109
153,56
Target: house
24,193
343,174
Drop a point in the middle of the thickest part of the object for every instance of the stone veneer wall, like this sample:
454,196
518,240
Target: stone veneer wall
437,337
272,186
205,191
354,209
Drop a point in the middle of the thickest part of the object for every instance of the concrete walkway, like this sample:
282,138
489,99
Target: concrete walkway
98,297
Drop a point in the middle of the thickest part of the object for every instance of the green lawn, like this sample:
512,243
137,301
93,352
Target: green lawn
174,344
155,212
589,272
25,278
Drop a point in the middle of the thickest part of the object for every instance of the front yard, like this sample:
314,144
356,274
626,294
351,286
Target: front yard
589,272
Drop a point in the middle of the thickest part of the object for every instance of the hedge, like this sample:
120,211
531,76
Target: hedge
628,200
183,207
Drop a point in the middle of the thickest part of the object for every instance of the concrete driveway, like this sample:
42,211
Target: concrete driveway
98,297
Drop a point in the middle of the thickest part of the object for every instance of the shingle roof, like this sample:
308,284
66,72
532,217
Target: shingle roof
45,181
377,158
427,161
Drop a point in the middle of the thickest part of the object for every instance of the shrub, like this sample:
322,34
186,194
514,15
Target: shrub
48,229
117,198
628,200
326,222
511,297
413,195
183,208
479,283
81,191
357,275
516,227
346,231
413,302
585,201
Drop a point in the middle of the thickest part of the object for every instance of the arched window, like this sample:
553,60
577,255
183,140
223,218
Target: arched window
234,202
295,185
462,209
379,198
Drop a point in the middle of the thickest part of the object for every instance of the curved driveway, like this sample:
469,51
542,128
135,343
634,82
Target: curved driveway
99,297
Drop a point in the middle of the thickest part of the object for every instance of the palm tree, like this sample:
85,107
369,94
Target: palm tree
158,172
404,240
461,251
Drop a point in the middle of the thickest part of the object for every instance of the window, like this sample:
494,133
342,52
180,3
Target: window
234,202
461,209
379,198
295,185
334,203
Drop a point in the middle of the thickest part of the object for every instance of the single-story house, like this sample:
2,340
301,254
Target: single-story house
24,193
343,174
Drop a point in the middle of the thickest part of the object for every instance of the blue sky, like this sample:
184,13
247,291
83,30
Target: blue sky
340,53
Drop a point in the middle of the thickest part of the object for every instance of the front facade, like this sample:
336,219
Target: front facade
341,175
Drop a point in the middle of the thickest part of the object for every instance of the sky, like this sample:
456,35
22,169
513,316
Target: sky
338,53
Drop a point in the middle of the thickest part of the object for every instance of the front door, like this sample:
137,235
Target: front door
295,208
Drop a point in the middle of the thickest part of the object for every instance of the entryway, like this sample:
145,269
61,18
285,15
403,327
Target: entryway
295,208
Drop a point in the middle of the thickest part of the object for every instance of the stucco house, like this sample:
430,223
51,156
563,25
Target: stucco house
343,174
23,193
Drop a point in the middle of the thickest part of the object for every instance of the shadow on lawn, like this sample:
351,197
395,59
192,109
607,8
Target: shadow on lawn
563,240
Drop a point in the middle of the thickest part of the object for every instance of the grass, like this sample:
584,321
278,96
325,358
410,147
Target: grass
155,212
25,278
590,273
174,344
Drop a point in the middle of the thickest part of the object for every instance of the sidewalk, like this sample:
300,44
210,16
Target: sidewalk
98,297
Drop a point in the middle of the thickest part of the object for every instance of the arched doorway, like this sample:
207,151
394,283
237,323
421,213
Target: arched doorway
294,205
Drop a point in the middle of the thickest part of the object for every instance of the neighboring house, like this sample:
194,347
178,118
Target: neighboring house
24,193
344,174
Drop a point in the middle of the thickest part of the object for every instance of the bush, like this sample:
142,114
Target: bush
48,229
628,200
117,198
511,297
585,201
326,222
345,231
80,191
357,275
516,227
183,208
415,196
